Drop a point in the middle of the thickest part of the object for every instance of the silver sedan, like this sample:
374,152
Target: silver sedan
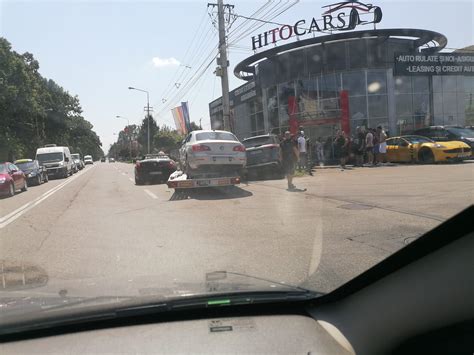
212,152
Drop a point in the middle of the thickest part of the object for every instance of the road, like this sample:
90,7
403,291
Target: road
98,225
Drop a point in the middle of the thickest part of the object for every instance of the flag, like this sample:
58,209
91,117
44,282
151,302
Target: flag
177,123
187,119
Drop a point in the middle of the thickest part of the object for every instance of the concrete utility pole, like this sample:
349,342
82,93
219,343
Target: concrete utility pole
222,60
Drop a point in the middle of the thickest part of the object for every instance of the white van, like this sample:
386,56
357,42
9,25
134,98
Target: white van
56,160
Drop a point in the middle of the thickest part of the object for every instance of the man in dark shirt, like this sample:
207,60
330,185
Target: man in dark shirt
289,156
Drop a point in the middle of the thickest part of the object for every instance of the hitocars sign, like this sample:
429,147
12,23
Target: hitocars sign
342,16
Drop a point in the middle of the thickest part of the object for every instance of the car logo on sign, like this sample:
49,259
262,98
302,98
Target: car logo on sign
221,147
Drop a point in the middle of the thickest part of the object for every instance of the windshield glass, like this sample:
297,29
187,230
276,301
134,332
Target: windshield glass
26,166
462,132
334,89
418,139
255,142
221,136
50,157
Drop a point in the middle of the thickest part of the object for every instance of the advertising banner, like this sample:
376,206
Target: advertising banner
186,118
177,113
410,64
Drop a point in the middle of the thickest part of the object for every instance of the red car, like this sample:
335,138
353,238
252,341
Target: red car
11,179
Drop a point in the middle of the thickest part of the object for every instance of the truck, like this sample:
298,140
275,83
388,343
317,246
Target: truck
57,160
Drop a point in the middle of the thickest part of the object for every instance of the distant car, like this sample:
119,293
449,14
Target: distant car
34,172
11,179
102,160
263,154
76,157
448,133
111,160
154,168
212,152
424,150
88,159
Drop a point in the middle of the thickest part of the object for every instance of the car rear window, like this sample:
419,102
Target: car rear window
258,141
221,136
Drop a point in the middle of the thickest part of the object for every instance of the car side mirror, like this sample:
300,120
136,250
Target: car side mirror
66,159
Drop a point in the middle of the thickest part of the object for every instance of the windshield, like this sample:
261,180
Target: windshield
418,139
221,136
462,132
26,166
331,90
255,142
50,157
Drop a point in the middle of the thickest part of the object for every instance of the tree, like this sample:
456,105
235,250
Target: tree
143,134
167,139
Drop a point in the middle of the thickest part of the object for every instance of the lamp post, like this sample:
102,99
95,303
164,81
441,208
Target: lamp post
129,134
147,113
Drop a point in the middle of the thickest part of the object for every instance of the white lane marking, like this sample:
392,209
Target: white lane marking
131,179
9,218
151,194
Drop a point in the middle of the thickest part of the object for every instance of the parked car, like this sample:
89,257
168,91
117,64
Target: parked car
211,152
78,161
88,159
424,150
57,160
154,168
263,154
448,133
111,160
102,160
34,172
11,179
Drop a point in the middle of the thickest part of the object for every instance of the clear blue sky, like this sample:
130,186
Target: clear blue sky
96,49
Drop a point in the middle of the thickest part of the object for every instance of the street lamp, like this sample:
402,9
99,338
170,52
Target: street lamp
147,113
129,134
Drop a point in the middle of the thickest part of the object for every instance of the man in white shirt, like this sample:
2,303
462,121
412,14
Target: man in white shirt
302,151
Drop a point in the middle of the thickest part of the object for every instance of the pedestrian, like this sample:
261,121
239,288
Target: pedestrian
382,156
319,150
289,155
303,155
369,147
342,148
376,146
359,147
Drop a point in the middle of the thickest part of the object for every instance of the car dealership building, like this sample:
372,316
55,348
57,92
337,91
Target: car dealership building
396,78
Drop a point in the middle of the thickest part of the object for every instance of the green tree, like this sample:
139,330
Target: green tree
142,137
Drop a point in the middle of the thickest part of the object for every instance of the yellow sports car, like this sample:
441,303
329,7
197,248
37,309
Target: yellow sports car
424,150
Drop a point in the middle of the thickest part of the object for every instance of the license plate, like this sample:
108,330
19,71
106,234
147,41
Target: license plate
203,182
155,173
255,152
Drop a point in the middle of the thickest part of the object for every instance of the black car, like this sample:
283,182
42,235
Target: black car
154,168
34,172
263,154
448,133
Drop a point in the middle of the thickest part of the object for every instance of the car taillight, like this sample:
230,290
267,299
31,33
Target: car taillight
200,148
171,164
239,148
137,165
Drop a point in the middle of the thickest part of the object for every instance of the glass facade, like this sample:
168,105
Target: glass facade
306,84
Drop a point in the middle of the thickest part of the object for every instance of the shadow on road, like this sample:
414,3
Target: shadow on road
210,193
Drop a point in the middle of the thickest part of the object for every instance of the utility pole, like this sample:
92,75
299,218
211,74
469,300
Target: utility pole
222,60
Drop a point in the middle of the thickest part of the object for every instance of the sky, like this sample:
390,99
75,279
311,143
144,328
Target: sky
97,49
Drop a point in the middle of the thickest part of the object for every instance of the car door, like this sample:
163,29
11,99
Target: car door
392,149
183,150
17,176
404,151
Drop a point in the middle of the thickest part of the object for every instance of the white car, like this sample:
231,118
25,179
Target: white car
212,152
88,159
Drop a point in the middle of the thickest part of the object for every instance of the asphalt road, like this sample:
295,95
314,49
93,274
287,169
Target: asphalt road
98,225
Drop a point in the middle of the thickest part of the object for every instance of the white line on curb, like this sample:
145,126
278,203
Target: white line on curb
9,218
151,194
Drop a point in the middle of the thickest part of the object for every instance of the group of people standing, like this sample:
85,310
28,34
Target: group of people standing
369,147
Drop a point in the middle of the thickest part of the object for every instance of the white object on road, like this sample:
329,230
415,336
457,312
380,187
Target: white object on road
151,194
179,180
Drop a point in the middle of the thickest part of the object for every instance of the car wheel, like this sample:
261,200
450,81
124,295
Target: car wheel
11,191
25,187
46,178
39,180
426,156
138,181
